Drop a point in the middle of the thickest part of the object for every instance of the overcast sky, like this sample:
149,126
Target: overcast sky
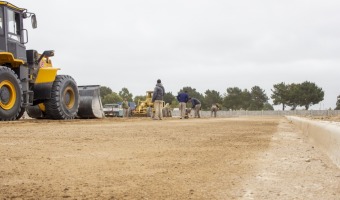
204,44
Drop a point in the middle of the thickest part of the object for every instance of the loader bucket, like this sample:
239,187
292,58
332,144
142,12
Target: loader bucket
90,105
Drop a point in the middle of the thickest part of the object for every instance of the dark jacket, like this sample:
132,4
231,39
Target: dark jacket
194,102
158,92
183,97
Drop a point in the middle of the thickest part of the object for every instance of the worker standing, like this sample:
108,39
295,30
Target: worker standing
196,105
125,106
214,108
183,98
157,100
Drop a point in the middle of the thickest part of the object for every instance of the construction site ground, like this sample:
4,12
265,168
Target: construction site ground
140,158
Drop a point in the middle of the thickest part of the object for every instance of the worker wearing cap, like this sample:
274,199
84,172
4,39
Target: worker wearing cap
157,100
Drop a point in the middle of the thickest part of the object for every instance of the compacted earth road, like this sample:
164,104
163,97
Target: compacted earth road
138,158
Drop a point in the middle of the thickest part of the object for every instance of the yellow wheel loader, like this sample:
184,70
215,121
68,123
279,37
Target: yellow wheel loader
145,108
29,82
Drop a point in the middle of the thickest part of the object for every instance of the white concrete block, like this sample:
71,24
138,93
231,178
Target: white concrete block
323,134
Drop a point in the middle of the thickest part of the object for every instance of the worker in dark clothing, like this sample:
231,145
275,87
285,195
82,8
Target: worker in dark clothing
182,98
196,105
157,100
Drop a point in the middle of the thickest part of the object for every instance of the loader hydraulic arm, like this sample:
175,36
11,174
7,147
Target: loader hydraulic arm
46,54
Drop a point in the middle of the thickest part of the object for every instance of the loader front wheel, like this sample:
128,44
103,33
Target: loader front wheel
64,100
21,113
11,95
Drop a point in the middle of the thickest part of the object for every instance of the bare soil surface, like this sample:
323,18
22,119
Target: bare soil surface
327,118
138,158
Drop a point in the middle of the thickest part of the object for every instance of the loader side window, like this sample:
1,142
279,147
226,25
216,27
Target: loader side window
13,25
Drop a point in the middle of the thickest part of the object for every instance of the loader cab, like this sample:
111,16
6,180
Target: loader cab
13,36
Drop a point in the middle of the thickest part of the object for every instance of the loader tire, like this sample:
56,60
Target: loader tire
11,95
21,113
35,112
64,100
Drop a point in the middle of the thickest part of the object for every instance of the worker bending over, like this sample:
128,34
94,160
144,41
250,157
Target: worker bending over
196,105
214,108
167,110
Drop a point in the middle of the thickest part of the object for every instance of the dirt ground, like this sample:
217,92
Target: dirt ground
138,158
326,118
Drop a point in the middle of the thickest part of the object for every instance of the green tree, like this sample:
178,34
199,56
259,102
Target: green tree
280,94
258,98
338,103
124,93
293,95
309,94
104,91
138,98
233,99
169,97
211,97
174,103
246,99
268,106
111,98
304,94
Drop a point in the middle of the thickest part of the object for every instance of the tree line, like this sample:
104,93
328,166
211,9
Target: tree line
338,103
293,95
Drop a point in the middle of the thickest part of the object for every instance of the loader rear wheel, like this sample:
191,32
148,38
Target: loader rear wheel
11,95
64,100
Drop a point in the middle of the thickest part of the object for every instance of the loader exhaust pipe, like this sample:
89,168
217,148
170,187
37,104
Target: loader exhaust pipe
90,105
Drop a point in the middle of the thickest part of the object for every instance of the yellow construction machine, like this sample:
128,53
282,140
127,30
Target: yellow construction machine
145,107
28,81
